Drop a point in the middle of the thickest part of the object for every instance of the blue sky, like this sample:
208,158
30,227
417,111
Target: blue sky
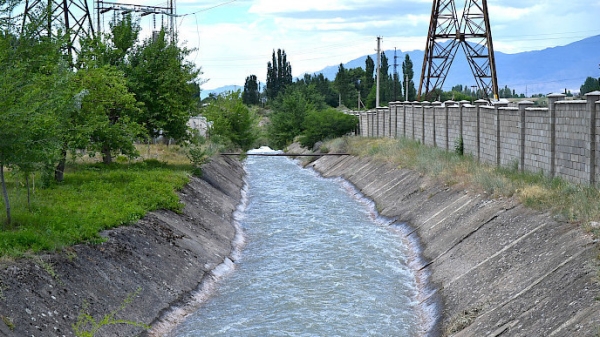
235,39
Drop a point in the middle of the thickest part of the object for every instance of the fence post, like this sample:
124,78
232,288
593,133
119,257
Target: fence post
592,98
479,103
552,99
396,119
404,104
461,104
390,121
447,104
522,108
433,106
423,105
498,105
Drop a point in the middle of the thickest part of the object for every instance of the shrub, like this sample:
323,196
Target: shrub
326,124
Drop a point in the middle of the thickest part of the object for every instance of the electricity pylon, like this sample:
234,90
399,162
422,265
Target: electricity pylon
45,18
446,33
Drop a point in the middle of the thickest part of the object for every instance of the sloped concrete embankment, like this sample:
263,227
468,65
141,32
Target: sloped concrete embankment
166,255
496,267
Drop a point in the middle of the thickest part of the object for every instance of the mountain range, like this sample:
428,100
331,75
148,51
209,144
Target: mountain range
550,70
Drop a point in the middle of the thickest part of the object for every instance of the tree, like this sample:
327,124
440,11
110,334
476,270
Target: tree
163,81
347,83
590,84
251,95
112,111
326,124
232,120
279,74
124,35
408,73
287,119
369,78
27,132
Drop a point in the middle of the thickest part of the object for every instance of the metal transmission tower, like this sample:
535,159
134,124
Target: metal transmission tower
168,10
445,35
45,18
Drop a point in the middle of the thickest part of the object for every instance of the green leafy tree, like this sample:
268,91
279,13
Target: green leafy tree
322,86
279,74
111,109
590,84
368,79
163,81
408,73
287,118
326,124
124,35
232,120
27,132
348,82
251,94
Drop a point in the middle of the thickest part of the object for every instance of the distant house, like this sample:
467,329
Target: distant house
199,123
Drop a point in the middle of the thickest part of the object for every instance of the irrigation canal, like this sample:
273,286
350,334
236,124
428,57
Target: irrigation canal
317,262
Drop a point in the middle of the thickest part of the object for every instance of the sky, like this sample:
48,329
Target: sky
235,38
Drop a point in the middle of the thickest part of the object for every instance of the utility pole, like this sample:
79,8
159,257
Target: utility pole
378,69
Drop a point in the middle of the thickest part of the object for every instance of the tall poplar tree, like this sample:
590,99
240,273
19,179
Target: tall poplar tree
369,78
251,94
408,73
279,74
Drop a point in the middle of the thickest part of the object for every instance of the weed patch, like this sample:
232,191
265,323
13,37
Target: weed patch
87,326
566,201
92,198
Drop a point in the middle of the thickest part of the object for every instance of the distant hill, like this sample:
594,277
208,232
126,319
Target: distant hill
217,91
544,71
551,70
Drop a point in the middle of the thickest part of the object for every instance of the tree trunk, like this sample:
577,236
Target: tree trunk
106,155
5,194
59,172
28,192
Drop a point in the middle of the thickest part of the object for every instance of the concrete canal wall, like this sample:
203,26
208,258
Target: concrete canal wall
496,267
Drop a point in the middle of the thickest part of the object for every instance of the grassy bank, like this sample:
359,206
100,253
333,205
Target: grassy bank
565,201
93,197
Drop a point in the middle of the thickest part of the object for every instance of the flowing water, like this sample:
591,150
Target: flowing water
317,262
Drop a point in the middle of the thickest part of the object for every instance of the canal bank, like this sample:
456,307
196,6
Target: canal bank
494,267
161,260
491,266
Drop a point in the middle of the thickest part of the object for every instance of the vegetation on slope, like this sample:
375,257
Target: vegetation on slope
93,197
566,201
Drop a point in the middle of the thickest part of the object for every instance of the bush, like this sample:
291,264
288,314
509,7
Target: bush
232,121
326,124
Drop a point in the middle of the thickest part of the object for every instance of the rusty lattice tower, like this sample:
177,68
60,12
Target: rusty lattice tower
46,18
446,33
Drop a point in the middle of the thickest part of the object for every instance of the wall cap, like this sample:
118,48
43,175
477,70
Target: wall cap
525,103
592,94
556,96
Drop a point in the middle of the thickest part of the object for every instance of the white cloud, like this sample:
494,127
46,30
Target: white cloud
236,39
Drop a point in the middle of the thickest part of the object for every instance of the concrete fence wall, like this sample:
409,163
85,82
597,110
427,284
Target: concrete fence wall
561,140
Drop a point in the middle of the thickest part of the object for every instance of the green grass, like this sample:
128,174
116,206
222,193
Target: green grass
564,200
93,197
